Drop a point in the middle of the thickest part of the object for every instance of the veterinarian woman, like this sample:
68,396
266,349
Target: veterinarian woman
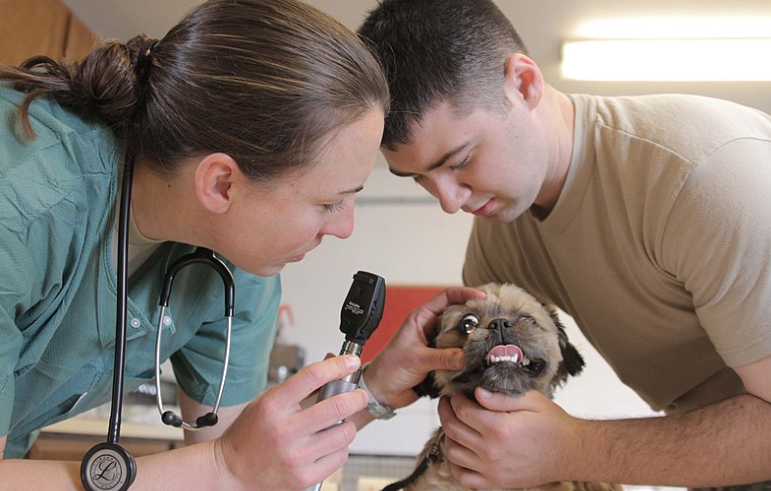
253,124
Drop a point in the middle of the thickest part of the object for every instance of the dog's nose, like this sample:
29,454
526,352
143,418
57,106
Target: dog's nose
499,324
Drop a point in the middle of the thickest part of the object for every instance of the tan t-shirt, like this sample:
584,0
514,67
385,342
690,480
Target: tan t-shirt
659,245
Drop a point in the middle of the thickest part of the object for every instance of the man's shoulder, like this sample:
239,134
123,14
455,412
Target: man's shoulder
685,126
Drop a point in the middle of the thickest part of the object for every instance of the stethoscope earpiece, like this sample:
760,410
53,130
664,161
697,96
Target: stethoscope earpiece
170,418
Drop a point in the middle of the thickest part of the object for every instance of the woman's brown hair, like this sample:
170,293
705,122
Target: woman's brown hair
264,81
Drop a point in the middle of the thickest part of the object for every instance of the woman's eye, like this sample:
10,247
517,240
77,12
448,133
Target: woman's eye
335,207
469,323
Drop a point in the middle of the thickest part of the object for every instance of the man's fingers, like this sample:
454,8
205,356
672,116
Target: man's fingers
427,313
530,401
445,359
463,294
451,296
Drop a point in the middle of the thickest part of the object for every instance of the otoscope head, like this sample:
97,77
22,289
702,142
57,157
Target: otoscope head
363,307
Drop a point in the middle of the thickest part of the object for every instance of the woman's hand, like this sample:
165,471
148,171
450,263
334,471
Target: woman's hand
508,442
407,360
275,445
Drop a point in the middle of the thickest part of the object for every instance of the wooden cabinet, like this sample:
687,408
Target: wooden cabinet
41,27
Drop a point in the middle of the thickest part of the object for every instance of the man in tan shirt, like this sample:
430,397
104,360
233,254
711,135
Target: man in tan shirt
647,219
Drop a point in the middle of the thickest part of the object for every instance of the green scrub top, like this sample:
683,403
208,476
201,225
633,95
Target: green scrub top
58,286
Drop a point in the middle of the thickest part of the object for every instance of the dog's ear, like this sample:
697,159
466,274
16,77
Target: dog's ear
428,386
572,361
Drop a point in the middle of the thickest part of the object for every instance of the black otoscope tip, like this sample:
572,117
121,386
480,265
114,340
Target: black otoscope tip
363,307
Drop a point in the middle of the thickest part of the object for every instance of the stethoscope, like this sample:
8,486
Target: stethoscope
108,466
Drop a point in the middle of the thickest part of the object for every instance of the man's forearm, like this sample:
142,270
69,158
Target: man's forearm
723,444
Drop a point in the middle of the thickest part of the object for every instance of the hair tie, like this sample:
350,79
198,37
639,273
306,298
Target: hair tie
144,61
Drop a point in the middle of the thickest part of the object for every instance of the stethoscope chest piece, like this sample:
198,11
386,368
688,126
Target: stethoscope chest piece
108,467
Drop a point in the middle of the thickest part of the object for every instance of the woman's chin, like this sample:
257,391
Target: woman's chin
267,271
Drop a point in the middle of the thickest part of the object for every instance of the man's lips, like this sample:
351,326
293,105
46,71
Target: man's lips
485,209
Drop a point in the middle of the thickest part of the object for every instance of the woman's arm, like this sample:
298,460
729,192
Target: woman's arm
191,410
275,445
186,468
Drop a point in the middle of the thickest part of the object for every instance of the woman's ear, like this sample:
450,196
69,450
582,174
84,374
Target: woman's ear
524,80
215,177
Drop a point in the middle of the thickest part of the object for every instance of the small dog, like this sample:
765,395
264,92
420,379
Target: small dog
511,344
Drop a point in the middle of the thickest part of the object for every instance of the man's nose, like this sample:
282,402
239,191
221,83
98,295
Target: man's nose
451,195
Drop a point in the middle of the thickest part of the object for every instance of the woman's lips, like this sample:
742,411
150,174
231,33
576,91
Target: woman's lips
485,209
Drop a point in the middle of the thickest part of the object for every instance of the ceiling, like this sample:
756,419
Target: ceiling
543,25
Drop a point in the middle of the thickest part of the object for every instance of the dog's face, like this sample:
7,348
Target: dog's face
511,344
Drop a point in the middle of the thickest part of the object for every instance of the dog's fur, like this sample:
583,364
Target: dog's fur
510,317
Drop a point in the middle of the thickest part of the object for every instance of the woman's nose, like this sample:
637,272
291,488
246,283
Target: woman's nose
340,224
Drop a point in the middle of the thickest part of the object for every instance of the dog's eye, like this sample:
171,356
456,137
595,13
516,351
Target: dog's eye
468,323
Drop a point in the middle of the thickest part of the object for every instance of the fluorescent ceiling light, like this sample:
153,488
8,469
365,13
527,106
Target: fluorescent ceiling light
692,27
667,60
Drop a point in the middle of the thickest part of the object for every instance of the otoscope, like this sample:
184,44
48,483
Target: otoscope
360,316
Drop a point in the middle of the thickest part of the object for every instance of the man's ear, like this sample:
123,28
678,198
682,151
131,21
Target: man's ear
215,176
523,80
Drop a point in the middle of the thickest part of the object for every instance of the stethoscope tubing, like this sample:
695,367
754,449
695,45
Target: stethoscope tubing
116,409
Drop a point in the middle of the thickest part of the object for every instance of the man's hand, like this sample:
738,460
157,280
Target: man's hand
507,442
407,360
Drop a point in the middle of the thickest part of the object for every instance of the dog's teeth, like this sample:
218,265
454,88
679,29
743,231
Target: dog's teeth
525,362
515,358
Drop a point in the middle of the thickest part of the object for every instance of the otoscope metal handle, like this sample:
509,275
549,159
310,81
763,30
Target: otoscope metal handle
332,389
338,387
335,387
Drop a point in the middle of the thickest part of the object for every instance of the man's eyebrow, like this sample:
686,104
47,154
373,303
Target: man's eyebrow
442,160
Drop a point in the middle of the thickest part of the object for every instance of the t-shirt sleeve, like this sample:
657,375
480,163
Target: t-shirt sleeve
198,364
718,244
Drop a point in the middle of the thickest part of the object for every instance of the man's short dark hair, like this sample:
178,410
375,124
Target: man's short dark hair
439,50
